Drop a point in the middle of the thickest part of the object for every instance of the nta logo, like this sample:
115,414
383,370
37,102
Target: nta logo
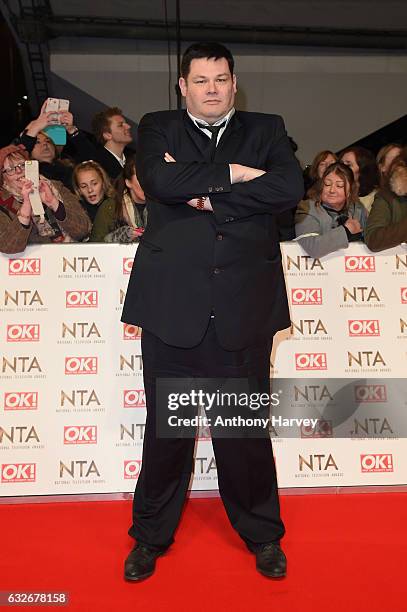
303,262
320,463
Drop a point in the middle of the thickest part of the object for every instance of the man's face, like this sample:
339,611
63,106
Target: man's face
209,89
44,149
119,131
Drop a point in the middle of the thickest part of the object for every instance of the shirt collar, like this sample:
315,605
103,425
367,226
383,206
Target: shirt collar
226,118
121,160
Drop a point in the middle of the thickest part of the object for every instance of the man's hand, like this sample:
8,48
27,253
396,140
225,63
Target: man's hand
244,174
202,203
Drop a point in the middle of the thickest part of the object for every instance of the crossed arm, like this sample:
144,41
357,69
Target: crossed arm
234,190
238,174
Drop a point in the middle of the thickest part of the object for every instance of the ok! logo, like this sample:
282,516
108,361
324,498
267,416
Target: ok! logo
81,299
26,332
306,296
26,266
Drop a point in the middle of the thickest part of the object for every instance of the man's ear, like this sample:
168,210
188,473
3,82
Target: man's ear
234,81
107,136
183,86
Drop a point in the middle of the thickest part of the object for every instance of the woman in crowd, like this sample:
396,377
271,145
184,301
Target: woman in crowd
363,165
40,147
332,216
385,157
320,163
125,219
60,218
92,185
387,223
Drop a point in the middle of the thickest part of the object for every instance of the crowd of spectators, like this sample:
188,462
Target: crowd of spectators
354,196
89,191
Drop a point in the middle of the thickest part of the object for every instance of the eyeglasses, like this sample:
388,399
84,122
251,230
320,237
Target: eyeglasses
13,169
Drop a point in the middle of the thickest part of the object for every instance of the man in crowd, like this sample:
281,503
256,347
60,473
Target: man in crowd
207,287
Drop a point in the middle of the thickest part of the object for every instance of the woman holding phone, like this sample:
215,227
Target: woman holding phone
61,218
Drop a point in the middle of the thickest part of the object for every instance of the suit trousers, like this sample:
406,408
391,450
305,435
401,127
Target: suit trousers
246,470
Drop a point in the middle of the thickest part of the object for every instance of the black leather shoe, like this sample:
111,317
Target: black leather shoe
271,561
140,563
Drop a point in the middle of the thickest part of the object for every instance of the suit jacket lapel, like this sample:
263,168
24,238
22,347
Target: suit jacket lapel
229,144
195,134
231,140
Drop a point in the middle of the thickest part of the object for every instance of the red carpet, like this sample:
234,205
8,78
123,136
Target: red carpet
345,552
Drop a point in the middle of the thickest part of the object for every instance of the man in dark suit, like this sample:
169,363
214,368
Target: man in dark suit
207,287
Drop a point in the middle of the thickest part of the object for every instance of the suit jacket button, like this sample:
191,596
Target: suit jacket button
219,236
217,270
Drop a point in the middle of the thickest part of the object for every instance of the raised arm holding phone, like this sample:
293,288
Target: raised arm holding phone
31,214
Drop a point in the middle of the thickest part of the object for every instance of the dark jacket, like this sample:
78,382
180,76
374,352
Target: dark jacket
190,262
83,149
387,221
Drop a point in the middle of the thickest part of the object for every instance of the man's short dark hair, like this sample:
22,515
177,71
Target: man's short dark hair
101,122
205,50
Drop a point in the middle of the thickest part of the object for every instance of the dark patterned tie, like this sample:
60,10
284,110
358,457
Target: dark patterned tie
214,129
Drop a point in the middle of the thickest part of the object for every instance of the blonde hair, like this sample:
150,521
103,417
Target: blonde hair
108,188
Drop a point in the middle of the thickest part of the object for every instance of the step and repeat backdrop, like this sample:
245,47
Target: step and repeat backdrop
72,405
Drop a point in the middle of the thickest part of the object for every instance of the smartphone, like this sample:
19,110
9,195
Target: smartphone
63,105
53,105
56,105
32,174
